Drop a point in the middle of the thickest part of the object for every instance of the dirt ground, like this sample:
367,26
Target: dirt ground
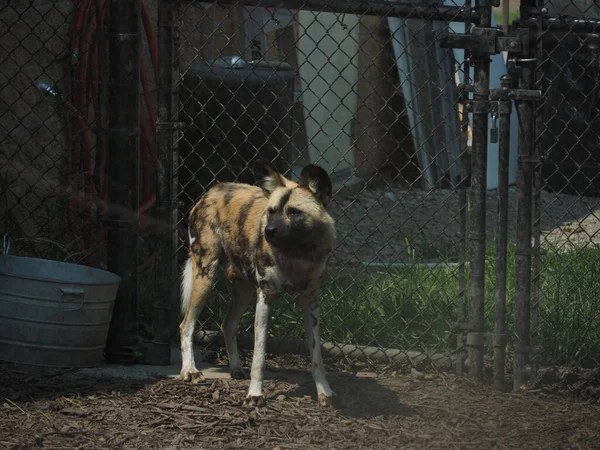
377,224
58,409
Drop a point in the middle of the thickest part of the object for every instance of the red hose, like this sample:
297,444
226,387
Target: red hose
81,13
150,39
148,97
91,165
86,45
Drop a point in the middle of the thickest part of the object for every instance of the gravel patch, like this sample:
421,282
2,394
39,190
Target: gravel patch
371,411
392,225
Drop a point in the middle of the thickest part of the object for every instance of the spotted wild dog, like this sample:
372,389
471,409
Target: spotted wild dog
274,238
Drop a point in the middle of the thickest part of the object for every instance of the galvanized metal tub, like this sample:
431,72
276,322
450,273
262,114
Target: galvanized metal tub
54,313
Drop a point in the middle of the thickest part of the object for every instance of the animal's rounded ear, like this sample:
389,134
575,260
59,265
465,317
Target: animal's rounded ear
267,176
317,181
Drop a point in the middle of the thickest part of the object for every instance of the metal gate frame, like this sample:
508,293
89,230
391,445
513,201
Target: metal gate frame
479,42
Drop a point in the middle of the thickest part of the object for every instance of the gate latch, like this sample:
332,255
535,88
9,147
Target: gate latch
481,41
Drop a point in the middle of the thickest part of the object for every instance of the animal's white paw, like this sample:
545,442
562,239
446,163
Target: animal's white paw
252,401
191,375
324,400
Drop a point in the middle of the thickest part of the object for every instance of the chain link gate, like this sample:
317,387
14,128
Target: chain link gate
476,98
565,187
439,262
468,171
481,44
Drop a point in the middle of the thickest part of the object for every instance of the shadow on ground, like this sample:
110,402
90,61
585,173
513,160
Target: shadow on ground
356,397
21,383
79,410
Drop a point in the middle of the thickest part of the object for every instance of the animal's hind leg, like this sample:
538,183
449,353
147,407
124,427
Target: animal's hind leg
241,295
310,306
198,279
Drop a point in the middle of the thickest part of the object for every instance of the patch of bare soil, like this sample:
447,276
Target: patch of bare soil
385,224
575,382
68,410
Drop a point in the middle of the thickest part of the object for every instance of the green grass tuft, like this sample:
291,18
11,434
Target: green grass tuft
414,308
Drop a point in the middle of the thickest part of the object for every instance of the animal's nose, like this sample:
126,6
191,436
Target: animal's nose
270,231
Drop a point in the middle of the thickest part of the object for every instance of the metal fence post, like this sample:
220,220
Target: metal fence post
481,64
123,169
537,205
165,267
465,162
499,341
524,190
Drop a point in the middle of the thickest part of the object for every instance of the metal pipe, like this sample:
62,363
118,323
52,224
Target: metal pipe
537,209
505,15
465,172
165,267
477,238
101,117
123,169
390,8
524,189
291,346
504,113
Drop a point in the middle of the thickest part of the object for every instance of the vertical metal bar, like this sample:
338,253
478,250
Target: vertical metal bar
505,15
165,267
524,189
174,155
481,63
465,172
537,212
123,169
537,205
101,117
504,111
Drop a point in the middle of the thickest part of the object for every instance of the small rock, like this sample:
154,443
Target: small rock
416,374
216,396
281,398
366,374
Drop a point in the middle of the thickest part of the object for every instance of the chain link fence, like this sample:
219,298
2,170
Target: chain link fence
565,326
33,132
348,92
387,99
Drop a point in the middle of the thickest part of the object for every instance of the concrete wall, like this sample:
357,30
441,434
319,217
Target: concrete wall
380,132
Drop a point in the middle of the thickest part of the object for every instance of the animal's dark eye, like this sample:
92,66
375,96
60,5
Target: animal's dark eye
271,211
293,212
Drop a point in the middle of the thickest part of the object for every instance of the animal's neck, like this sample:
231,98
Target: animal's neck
302,254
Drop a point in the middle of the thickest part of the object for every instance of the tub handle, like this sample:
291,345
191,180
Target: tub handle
72,291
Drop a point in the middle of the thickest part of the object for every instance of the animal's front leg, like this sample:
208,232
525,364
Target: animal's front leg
261,320
310,306
242,294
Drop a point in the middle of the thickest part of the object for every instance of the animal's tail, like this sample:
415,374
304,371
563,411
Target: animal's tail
186,285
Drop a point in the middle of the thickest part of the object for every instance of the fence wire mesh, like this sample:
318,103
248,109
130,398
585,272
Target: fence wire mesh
348,92
54,132
565,323
33,133
375,100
